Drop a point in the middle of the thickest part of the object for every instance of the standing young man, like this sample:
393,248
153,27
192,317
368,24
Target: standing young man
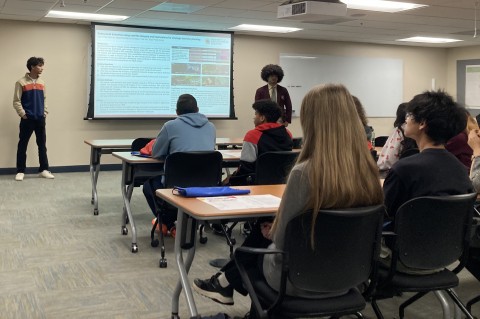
30,102
273,74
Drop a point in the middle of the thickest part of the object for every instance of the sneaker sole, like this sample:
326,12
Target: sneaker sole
215,296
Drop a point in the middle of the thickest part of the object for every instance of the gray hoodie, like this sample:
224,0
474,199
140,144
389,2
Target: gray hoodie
188,132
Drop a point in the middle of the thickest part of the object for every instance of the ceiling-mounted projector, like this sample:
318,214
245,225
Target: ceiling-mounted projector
311,10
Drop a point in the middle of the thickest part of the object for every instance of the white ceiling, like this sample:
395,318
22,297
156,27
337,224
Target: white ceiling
442,18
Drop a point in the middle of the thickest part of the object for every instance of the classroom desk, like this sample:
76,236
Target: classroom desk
132,166
108,146
97,148
190,210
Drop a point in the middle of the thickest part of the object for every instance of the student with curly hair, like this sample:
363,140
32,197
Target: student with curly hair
273,74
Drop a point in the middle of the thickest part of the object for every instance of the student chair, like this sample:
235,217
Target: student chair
271,168
380,141
274,167
344,256
430,233
473,263
186,169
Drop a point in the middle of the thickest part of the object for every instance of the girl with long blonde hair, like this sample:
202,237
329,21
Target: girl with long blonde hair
334,169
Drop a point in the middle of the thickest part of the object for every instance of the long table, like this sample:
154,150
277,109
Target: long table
191,210
132,167
108,146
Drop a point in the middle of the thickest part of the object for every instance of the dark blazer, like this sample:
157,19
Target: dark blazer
283,100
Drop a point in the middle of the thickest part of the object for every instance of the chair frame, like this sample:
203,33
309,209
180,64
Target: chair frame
172,180
399,255
275,309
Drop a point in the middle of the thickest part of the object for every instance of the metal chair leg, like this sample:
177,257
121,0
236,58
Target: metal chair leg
376,309
408,302
444,302
472,302
457,301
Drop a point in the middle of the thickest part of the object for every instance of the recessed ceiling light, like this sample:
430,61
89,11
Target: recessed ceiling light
382,6
263,28
84,16
429,40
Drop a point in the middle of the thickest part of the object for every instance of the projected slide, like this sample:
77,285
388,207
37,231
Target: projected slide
140,72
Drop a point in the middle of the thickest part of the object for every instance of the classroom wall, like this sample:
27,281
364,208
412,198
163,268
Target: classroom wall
453,55
65,49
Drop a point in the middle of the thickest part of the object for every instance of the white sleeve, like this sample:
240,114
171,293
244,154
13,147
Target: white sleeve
391,151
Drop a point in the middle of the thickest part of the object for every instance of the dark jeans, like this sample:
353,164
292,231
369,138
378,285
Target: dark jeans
256,240
168,216
27,127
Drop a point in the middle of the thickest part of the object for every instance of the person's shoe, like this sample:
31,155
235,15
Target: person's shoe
217,229
211,288
157,229
173,231
19,177
46,174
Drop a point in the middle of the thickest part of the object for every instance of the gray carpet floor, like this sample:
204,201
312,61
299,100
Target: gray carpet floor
61,261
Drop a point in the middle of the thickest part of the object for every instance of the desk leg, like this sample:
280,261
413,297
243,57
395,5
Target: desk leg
126,194
95,154
183,268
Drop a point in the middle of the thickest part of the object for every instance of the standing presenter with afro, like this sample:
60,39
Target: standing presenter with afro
273,74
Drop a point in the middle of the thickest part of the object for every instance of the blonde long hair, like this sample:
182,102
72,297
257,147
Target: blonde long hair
341,170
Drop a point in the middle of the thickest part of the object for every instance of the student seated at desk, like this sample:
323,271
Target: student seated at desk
474,142
190,131
396,143
458,145
432,119
267,136
334,170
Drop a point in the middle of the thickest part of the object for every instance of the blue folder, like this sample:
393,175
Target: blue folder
209,191
137,153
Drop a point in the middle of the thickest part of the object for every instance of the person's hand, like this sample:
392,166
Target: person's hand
24,117
265,228
474,142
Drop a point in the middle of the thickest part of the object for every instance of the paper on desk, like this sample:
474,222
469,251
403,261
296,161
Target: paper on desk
242,202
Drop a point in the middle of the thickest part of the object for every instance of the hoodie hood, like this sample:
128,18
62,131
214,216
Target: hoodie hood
194,119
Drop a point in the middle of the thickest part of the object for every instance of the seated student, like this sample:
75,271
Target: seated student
267,136
396,143
474,142
334,170
363,118
432,119
190,131
458,145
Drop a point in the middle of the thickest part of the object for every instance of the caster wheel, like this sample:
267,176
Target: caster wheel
134,248
203,240
154,243
95,212
163,263
124,230
234,242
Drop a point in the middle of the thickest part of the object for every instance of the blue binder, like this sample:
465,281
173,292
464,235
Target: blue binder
209,191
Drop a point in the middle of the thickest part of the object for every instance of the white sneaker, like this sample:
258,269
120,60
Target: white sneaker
19,176
46,174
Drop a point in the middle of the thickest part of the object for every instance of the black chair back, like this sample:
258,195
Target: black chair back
191,169
432,232
346,247
380,140
274,167
297,142
139,143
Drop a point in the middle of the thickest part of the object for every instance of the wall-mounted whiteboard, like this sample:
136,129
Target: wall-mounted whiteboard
377,82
